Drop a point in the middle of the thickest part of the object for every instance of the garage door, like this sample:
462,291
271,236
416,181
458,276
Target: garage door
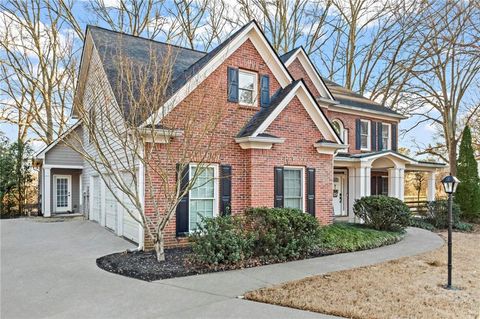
110,209
130,226
96,199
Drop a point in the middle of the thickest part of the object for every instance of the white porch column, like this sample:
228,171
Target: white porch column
46,197
367,181
352,181
401,184
392,182
431,186
396,182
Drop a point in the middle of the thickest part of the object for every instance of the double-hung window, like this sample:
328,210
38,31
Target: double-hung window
293,187
365,134
203,194
386,136
247,87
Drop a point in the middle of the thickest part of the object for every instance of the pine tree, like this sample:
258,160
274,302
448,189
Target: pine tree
468,191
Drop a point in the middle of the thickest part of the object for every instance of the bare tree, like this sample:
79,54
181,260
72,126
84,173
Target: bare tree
37,68
139,161
446,72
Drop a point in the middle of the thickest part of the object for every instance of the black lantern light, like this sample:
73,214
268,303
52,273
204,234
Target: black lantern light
450,184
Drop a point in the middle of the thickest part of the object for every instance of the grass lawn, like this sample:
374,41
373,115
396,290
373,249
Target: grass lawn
410,287
345,237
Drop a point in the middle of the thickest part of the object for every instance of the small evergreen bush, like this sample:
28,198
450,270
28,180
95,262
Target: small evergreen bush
221,240
382,212
421,223
437,214
282,233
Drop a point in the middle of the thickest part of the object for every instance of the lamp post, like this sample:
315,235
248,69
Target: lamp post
450,184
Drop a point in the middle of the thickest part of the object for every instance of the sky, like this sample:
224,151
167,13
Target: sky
422,134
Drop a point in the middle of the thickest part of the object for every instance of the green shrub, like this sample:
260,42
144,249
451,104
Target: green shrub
282,233
382,212
421,223
464,227
221,240
437,213
345,237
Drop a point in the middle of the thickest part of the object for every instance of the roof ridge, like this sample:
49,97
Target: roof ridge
90,26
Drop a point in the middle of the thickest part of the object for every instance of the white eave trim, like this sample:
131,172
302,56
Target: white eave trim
258,142
329,147
311,72
40,155
159,136
310,105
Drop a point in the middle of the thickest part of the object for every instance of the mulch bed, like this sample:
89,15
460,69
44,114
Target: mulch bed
143,265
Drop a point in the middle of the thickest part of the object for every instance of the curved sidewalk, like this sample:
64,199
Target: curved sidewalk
235,283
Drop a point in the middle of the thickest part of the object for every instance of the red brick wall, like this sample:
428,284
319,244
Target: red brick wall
348,121
298,72
252,170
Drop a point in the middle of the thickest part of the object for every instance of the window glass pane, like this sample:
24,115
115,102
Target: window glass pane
364,126
292,184
202,196
246,80
246,87
364,141
336,127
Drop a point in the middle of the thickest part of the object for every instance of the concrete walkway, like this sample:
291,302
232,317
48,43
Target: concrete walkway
49,270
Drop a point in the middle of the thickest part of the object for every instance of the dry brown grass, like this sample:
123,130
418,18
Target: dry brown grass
406,288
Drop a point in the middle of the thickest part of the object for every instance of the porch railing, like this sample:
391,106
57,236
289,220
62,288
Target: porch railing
418,207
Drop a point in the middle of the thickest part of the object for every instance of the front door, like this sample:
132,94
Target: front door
338,195
62,192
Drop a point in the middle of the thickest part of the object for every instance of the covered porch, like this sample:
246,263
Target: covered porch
377,173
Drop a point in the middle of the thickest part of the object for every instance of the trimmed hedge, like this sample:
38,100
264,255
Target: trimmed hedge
281,233
221,240
265,234
382,212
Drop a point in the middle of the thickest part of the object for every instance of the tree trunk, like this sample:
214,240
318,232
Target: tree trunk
452,157
159,244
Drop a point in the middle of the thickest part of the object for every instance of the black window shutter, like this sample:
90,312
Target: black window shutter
278,187
225,190
374,136
232,84
311,191
358,142
380,140
394,137
264,91
182,207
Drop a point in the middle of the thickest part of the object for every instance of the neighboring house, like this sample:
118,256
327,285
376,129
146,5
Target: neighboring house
305,143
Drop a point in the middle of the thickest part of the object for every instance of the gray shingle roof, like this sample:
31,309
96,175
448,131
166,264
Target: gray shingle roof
287,55
264,112
351,98
115,48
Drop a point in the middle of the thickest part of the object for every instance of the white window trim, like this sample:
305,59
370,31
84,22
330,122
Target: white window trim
216,193
343,134
389,139
302,184
369,136
255,88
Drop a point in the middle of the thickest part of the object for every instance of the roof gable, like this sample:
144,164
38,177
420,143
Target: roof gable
198,72
300,54
262,120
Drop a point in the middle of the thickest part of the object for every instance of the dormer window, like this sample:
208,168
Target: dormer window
247,87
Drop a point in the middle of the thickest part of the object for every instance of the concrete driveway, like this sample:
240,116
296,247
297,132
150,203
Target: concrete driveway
48,270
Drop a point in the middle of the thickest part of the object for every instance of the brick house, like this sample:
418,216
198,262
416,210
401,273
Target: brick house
289,137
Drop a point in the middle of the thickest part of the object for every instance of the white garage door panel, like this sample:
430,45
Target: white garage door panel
110,210
130,226
96,197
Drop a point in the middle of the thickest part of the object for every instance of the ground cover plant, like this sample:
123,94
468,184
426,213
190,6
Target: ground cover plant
260,236
410,287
